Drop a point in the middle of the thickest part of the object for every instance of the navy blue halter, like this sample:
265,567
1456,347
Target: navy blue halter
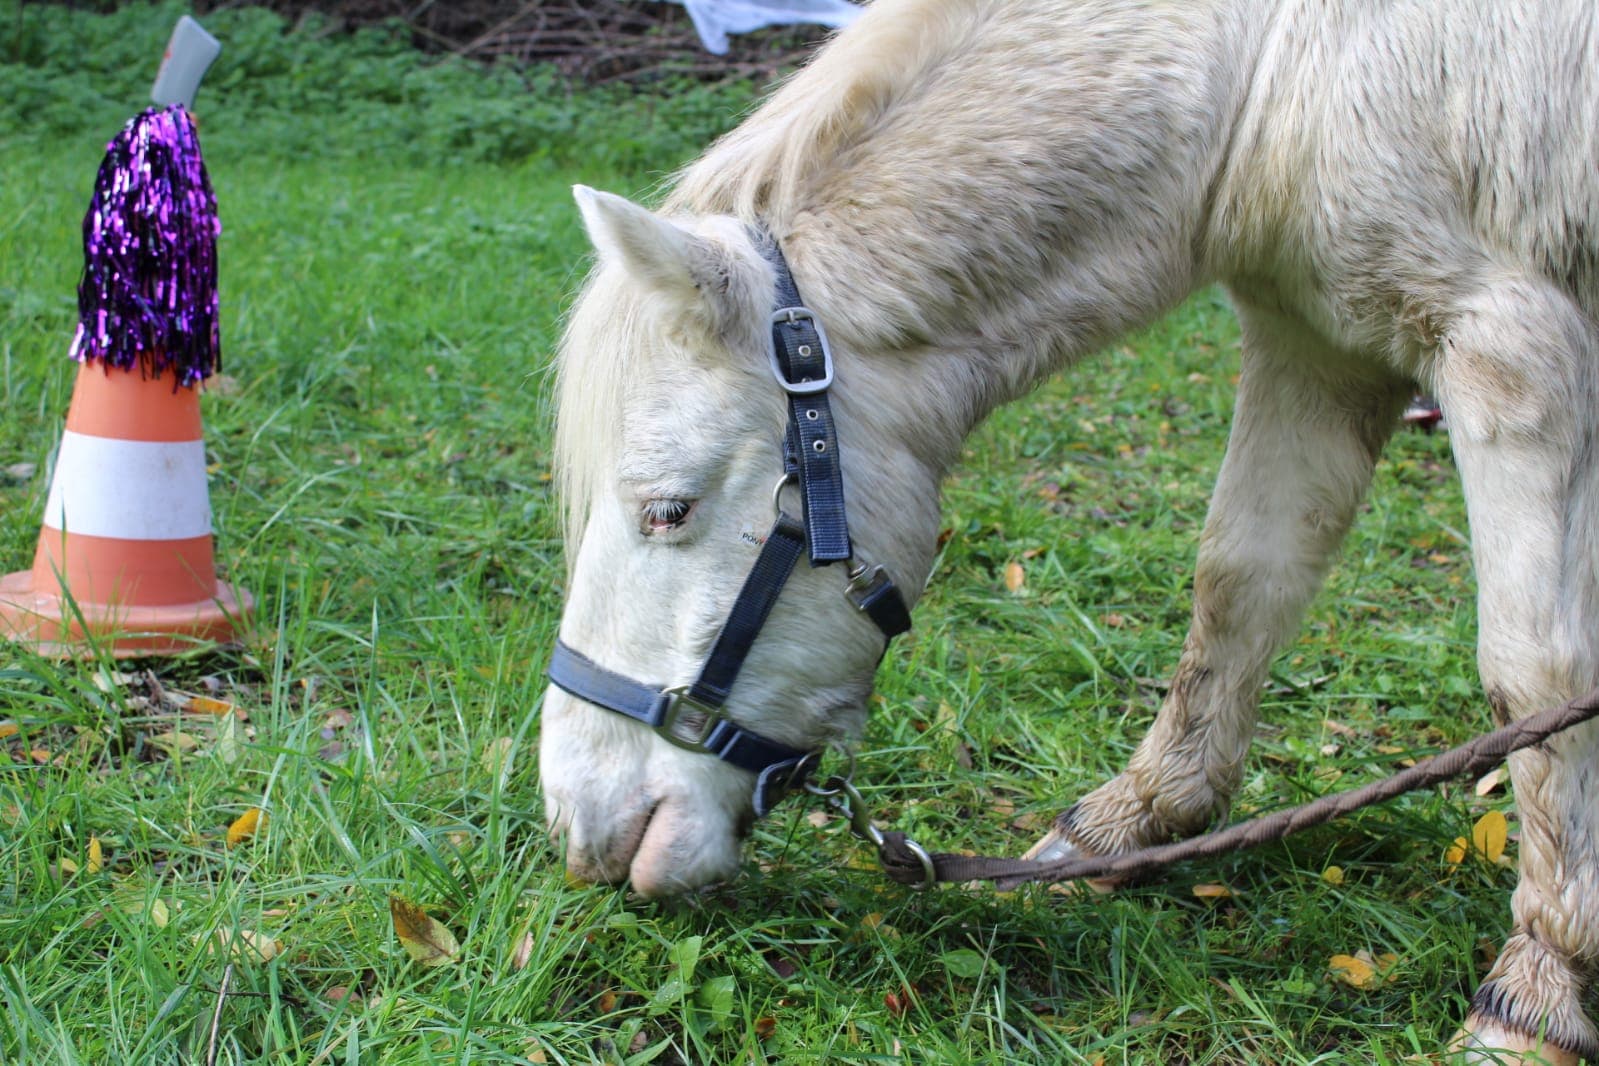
691,716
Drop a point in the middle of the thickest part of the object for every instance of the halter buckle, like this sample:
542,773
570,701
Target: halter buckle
865,584
792,317
678,727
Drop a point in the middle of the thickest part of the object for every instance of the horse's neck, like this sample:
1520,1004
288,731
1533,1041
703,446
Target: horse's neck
1029,204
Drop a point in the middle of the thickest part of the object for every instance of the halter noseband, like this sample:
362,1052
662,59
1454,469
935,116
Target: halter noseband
691,716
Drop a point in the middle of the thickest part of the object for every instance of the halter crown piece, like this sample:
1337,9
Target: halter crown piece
691,716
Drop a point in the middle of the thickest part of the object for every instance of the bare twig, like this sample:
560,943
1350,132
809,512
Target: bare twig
216,1016
594,41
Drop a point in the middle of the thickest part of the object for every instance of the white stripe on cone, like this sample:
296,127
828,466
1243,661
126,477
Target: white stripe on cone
129,489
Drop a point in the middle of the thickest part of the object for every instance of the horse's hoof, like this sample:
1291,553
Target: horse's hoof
1484,1042
1056,846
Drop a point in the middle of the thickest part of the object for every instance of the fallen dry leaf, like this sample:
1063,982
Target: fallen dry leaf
207,705
175,743
423,937
1352,971
496,755
1333,875
1015,576
112,680
230,739
1212,891
1490,781
1362,970
524,952
1488,838
247,825
1489,835
9,729
247,945
96,861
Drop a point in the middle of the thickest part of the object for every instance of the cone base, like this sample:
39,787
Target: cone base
50,625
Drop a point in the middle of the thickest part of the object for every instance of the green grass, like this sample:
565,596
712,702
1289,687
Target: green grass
381,483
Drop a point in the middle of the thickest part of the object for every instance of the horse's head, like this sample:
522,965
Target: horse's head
670,443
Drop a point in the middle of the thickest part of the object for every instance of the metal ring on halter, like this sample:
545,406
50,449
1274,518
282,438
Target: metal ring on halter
777,491
835,784
929,872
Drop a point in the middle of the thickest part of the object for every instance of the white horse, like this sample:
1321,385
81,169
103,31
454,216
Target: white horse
974,193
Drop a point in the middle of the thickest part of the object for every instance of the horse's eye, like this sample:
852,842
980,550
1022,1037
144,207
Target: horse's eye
664,513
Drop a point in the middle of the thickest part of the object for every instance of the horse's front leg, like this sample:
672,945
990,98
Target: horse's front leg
1308,425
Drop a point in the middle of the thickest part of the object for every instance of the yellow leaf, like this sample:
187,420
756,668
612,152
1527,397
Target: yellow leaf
1015,576
524,952
176,743
251,942
423,937
207,705
246,826
1212,891
1456,853
153,910
1333,875
246,945
1352,971
496,756
9,729
96,856
1488,836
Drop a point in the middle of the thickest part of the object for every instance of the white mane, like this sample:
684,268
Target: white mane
762,169
757,172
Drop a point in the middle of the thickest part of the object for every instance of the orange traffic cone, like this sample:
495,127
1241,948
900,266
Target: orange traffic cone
125,553
124,558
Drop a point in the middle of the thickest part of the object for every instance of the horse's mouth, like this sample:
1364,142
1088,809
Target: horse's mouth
608,859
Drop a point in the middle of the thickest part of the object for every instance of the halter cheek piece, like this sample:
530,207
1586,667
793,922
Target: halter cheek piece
691,716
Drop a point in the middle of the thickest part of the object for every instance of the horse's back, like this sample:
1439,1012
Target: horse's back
1402,152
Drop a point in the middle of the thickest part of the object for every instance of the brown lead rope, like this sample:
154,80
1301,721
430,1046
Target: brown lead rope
903,859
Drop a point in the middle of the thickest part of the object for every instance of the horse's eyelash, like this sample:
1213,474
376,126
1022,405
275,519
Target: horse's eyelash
666,510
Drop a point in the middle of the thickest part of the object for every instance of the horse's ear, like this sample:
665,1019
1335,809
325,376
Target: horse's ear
660,253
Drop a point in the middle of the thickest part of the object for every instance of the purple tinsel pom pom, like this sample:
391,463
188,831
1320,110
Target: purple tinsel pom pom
148,296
